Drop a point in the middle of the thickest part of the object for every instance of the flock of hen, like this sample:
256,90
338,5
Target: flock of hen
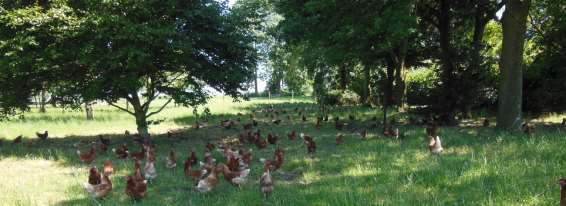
237,167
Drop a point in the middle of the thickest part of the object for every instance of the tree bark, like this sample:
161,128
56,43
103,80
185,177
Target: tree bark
400,75
343,72
42,103
388,92
255,81
140,115
511,85
365,89
471,78
89,111
450,97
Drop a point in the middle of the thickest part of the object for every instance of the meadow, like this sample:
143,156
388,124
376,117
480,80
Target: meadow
479,166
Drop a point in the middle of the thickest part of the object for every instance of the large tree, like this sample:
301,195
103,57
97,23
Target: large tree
124,49
511,65
349,33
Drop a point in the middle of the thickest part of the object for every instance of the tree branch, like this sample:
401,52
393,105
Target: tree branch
120,108
145,105
160,109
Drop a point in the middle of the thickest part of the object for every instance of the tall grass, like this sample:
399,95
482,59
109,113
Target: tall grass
480,166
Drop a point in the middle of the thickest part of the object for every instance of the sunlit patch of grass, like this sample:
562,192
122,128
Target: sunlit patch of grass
36,181
360,171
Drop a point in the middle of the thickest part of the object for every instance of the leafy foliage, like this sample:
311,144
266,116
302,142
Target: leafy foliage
136,50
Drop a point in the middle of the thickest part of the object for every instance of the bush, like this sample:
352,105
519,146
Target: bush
420,87
349,98
339,97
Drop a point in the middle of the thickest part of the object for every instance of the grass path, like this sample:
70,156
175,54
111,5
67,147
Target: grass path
479,166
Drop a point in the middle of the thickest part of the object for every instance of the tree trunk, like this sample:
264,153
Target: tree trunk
450,96
42,102
388,92
365,89
472,79
255,81
318,87
343,76
510,88
400,76
89,111
140,115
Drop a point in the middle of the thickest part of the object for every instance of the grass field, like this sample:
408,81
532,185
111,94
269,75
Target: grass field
480,166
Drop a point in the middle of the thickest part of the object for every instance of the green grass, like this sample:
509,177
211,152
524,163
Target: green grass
480,166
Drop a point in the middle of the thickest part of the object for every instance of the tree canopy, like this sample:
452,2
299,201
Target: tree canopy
133,50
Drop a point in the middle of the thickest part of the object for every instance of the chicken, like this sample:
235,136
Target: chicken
233,163
136,189
248,126
121,152
18,140
108,168
139,155
227,124
208,159
137,171
103,147
364,134
190,173
278,156
259,142
197,125
99,191
292,135
311,144
94,176
431,129
388,131
104,141
43,136
210,146
193,160
149,170
171,134
266,182
250,137
171,160
236,178
528,128
245,157
339,139
434,145
272,139
87,158
486,122
338,124
305,137
562,183
209,182
242,138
